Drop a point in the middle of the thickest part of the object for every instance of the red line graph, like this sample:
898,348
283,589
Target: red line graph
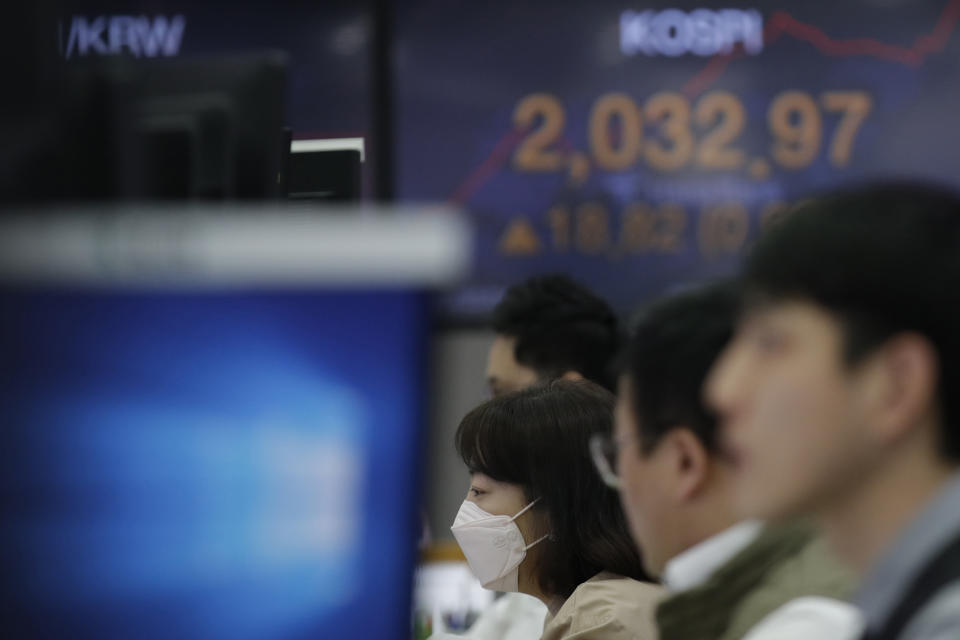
780,23
494,162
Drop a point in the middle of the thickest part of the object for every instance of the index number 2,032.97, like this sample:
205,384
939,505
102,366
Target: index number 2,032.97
701,134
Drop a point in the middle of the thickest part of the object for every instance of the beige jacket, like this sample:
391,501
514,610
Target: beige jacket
606,607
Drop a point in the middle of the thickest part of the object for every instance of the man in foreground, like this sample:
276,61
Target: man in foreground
839,394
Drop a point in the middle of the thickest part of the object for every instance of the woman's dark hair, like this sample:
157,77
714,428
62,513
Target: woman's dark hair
538,438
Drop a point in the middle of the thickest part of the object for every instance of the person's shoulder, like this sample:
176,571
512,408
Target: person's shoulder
608,601
809,569
813,570
610,589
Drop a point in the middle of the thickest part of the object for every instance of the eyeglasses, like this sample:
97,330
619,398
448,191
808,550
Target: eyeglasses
604,449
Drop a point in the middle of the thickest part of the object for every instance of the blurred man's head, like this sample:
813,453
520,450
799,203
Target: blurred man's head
551,327
843,372
673,486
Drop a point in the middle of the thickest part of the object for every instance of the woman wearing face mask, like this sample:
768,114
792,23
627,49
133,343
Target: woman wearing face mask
539,520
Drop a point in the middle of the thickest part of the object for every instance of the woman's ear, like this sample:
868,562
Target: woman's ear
533,525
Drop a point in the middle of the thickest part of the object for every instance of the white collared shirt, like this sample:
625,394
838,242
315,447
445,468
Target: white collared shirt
694,566
799,619
811,617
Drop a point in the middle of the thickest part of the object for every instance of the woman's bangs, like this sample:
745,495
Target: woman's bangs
490,446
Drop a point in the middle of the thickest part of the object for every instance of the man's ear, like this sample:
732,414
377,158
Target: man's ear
572,375
906,394
689,462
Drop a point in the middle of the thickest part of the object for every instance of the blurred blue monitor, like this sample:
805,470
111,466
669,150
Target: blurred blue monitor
217,462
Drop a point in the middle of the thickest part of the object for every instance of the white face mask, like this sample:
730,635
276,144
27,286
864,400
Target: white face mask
493,545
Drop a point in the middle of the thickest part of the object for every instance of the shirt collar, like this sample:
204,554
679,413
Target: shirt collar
694,566
890,577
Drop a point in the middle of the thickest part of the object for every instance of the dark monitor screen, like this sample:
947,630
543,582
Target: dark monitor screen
209,127
330,175
199,128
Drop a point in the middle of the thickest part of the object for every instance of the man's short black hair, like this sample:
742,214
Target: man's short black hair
672,347
538,438
560,326
883,259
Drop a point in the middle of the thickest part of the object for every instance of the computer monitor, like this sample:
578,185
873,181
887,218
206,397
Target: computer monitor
210,128
212,424
191,128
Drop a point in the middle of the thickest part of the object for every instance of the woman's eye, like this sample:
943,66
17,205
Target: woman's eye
476,492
